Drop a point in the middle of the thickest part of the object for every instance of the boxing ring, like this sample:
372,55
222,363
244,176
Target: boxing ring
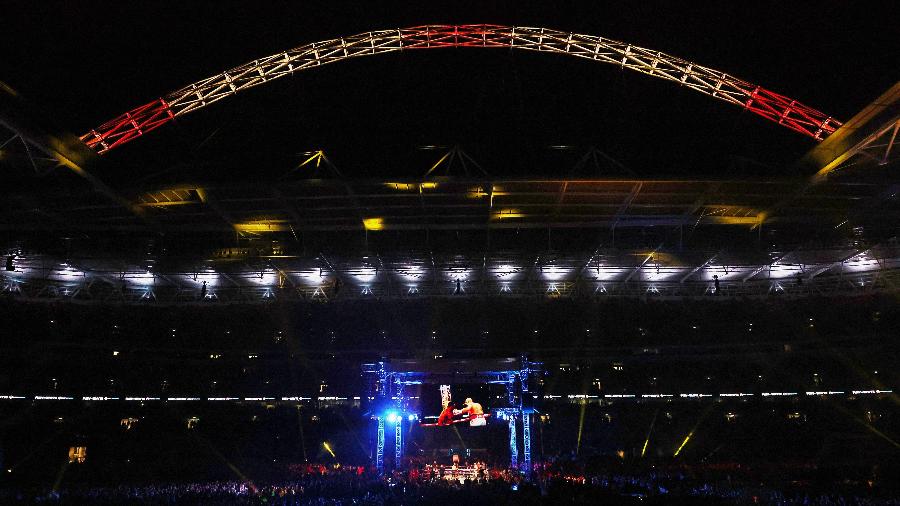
388,383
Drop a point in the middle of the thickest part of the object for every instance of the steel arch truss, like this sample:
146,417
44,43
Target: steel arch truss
878,148
714,83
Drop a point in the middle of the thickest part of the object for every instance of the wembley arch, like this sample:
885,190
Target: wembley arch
716,84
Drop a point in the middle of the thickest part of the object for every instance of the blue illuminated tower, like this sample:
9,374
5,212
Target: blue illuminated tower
389,403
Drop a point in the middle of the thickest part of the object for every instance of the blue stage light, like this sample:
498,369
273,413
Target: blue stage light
412,417
392,417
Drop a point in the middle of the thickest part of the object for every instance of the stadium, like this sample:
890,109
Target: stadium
482,254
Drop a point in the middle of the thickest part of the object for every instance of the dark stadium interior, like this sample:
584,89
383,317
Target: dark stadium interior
504,252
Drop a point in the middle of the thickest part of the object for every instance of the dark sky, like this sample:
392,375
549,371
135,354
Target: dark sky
83,62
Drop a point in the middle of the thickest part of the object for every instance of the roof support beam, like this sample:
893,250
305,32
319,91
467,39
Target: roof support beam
701,200
887,130
560,198
704,264
638,268
289,209
62,147
635,189
827,268
212,203
766,266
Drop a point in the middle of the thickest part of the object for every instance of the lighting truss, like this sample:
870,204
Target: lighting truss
398,444
526,442
513,446
379,446
714,83
380,376
856,270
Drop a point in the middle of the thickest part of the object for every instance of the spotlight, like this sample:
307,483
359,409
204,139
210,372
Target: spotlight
411,417
392,417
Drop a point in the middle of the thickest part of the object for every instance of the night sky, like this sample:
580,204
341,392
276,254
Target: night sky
84,62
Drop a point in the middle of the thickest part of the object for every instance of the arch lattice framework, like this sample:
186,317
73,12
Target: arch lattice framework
714,83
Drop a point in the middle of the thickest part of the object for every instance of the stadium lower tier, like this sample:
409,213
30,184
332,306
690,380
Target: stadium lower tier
780,441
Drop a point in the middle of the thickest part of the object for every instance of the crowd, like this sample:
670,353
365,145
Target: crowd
319,486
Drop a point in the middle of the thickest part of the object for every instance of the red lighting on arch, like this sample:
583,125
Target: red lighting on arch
714,83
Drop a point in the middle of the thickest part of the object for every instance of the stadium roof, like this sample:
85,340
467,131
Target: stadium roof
464,158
